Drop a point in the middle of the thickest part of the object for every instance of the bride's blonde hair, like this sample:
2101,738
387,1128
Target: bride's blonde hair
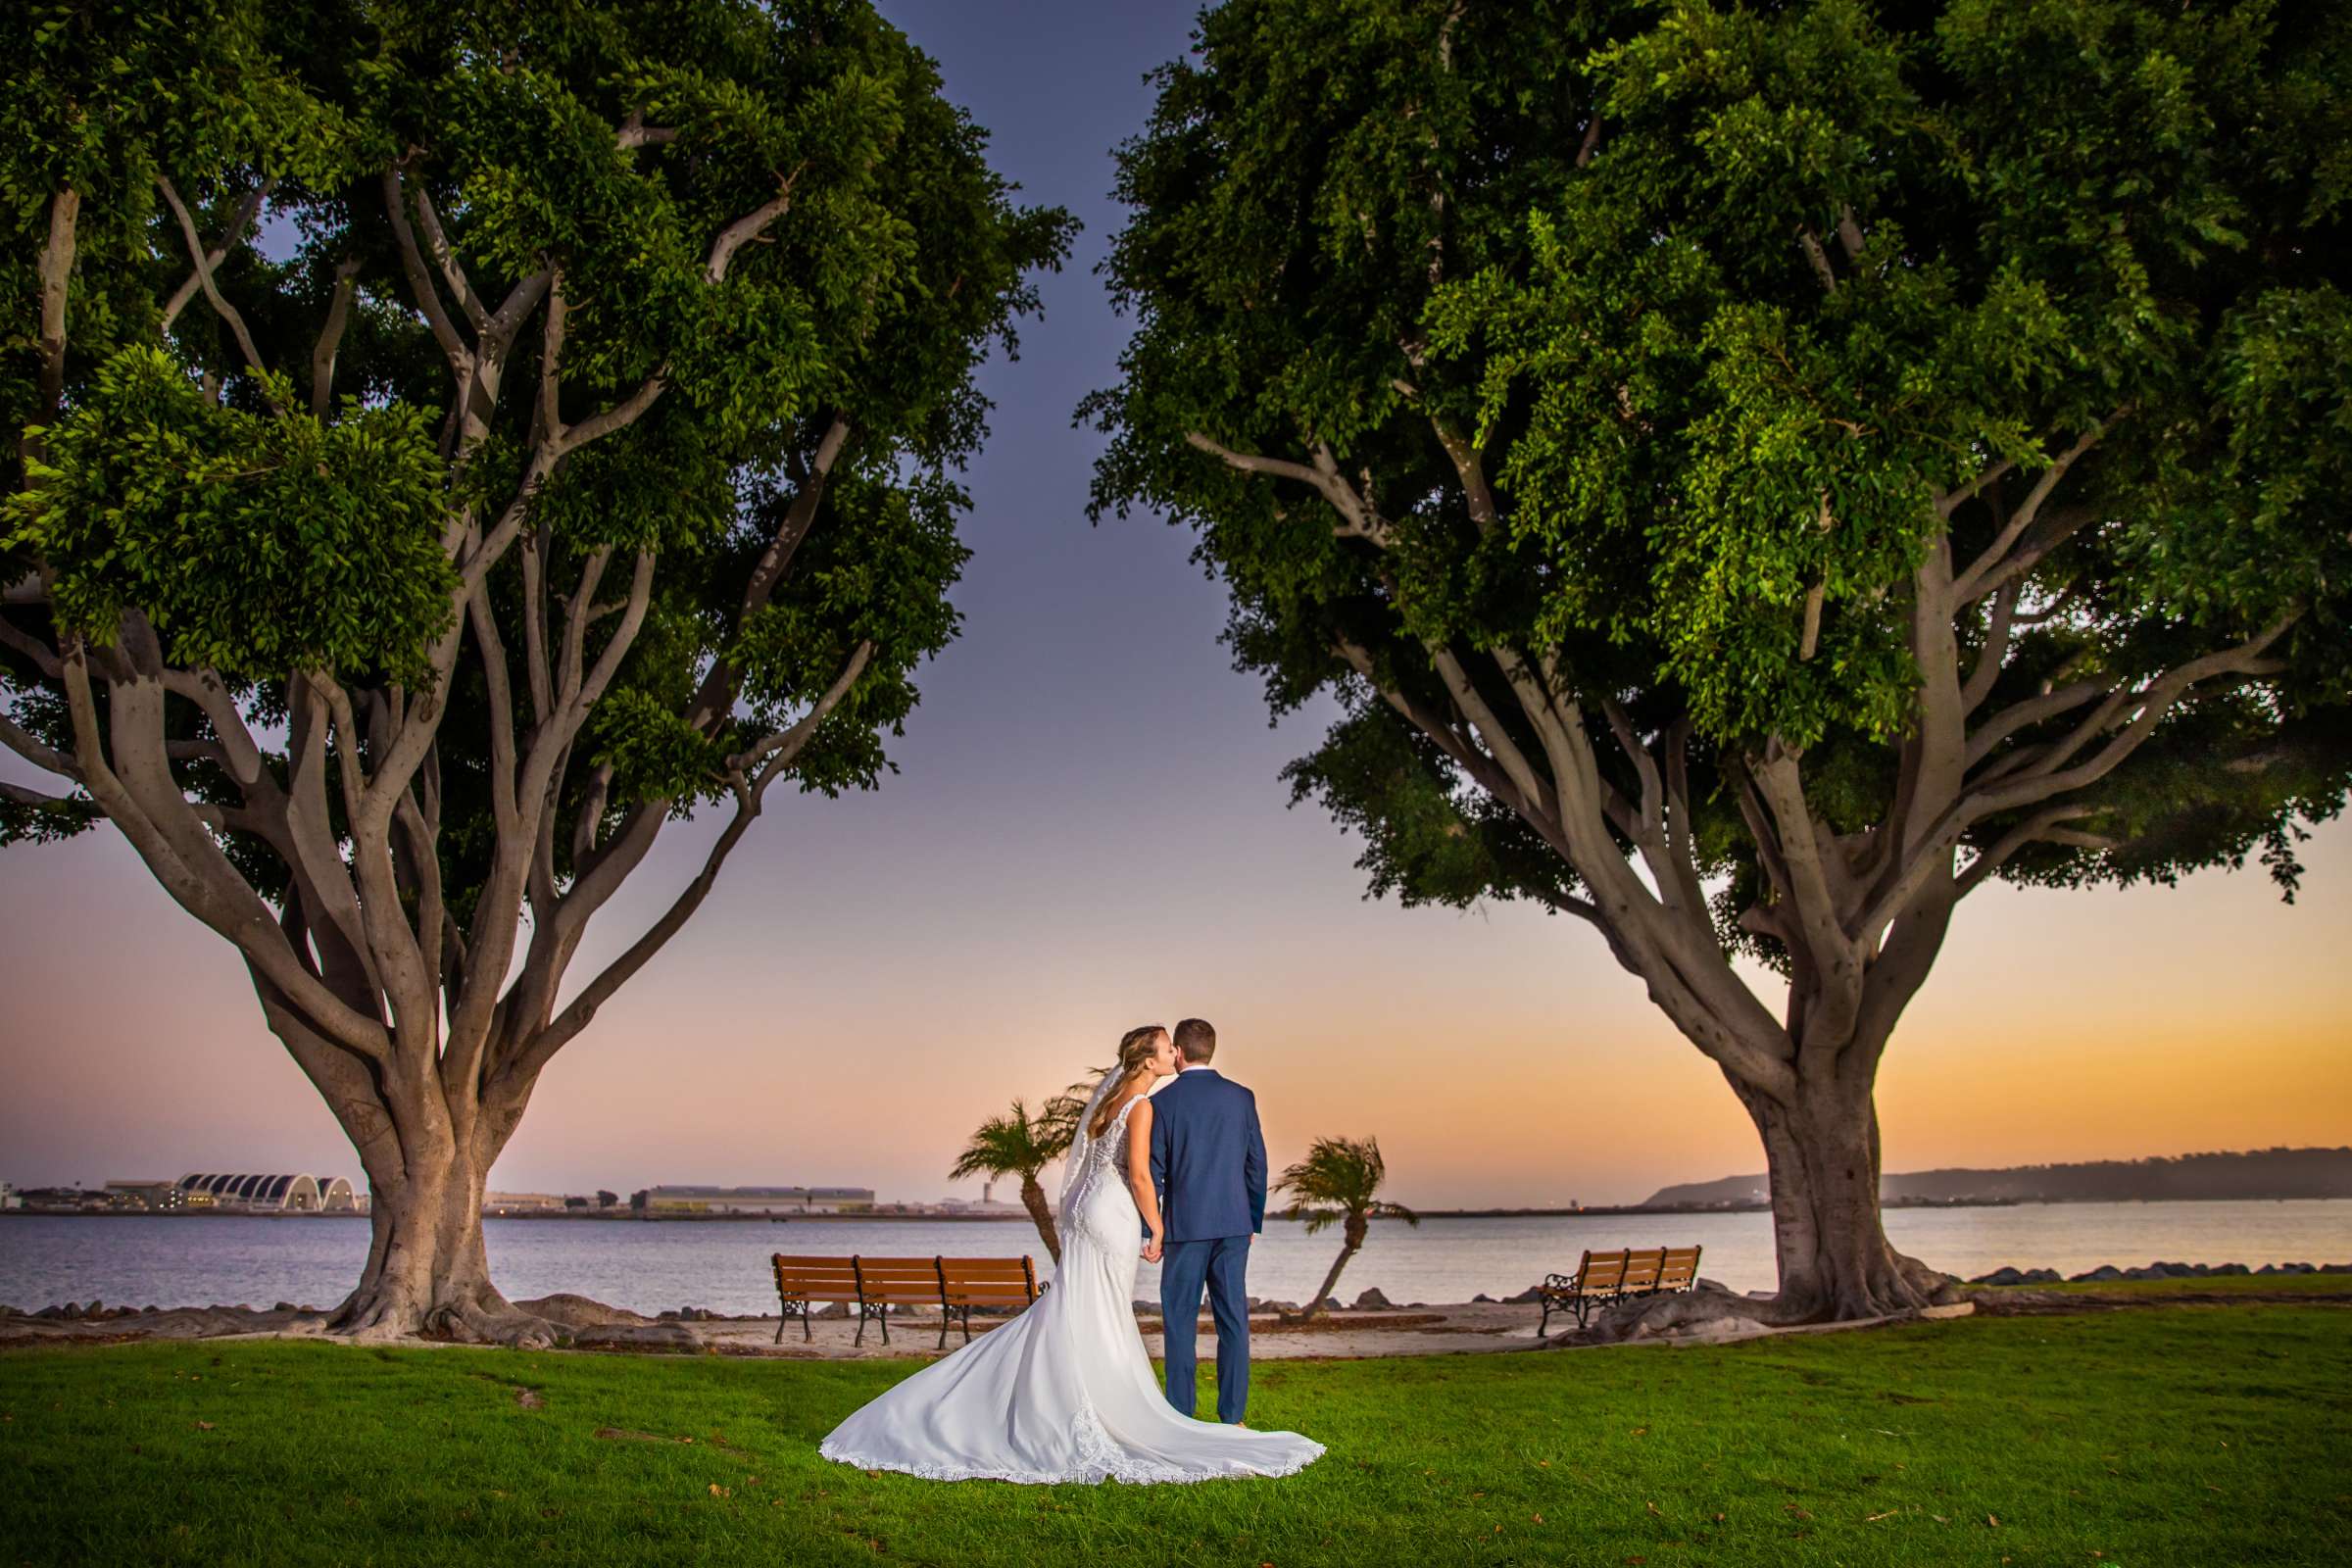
1134,1054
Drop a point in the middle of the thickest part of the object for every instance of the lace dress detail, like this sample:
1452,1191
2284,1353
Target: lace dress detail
1105,1161
1064,1391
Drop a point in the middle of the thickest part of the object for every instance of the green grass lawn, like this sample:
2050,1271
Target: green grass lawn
2175,1436
2209,1285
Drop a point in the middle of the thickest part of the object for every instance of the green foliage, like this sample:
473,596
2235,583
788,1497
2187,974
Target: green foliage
1015,1144
1339,1183
257,544
657,756
1583,236
262,539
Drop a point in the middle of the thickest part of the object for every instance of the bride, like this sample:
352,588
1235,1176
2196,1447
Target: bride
1064,1391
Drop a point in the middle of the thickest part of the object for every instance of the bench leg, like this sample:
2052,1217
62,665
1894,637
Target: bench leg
882,1314
967,1325
782,1312
860,1340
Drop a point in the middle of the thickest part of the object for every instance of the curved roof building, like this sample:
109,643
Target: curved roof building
290,1193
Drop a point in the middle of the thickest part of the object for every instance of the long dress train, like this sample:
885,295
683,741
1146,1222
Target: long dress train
1065,1390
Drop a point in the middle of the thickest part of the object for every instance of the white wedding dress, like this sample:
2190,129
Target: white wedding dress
1065,1390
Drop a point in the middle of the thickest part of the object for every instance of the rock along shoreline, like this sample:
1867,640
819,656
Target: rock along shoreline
97,1320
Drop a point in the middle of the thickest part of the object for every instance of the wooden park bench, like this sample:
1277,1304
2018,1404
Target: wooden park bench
804,1282
875,1285
1605,1277
969,1282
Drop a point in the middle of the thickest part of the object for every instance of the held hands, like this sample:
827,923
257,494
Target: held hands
1152,1247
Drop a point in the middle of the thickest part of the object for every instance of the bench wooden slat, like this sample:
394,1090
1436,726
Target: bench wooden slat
967,1282
876,1285
1603,1277
815,1278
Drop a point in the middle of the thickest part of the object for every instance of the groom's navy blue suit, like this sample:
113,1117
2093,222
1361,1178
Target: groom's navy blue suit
1208,1162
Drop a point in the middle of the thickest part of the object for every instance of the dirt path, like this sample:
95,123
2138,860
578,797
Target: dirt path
1465,1328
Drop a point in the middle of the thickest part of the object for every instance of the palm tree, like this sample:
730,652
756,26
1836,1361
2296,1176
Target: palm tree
1336,1184
1021,1144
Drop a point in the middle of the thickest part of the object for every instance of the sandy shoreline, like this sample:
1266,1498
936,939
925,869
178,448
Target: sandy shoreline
1457,1328
1375,1329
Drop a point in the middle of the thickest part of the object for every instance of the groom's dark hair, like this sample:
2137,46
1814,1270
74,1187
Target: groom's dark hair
1195,1040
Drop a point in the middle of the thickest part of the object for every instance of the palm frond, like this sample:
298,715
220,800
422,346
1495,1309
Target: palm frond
1011,1145
1341,1176
1058,1123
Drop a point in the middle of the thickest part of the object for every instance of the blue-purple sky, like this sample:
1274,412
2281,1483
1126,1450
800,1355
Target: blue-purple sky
1089,833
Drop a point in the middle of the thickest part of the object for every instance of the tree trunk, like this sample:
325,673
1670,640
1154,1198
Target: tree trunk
427,1272
1355,1234
1034,1197
1835,1263
1822,1153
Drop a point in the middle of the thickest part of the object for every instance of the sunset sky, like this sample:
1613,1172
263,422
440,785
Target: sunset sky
1089,832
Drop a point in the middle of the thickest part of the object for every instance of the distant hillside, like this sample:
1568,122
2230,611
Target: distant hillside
2255,1173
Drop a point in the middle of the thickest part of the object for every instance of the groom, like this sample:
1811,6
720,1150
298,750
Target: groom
1208,1162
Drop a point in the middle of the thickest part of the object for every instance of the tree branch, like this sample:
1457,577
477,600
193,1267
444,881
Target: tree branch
330,337
420,282
1990,657
208,887
33,749
212,289
242,220
1811,888
2048,777
1979,576
1358,519
1810,243
741,233
453,271
57,275
780,748
1591,140
2036,827
2029,711
41,655
635,132
526,1061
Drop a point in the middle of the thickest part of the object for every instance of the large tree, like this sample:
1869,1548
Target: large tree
458,439
1751,477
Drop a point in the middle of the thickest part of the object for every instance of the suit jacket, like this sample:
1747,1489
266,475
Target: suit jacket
1208,1158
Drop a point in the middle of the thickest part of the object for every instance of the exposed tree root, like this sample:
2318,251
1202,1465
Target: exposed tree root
1708,1311
474,1323
479,1316
1685,1315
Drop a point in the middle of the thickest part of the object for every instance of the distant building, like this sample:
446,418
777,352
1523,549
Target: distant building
8,1195
159,1193
988,1204
289,1193
522,1202
660,1200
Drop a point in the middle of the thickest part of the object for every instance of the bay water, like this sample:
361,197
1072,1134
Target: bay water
648,1266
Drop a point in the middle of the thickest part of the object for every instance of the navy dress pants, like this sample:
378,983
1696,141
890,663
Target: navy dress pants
1220,1264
